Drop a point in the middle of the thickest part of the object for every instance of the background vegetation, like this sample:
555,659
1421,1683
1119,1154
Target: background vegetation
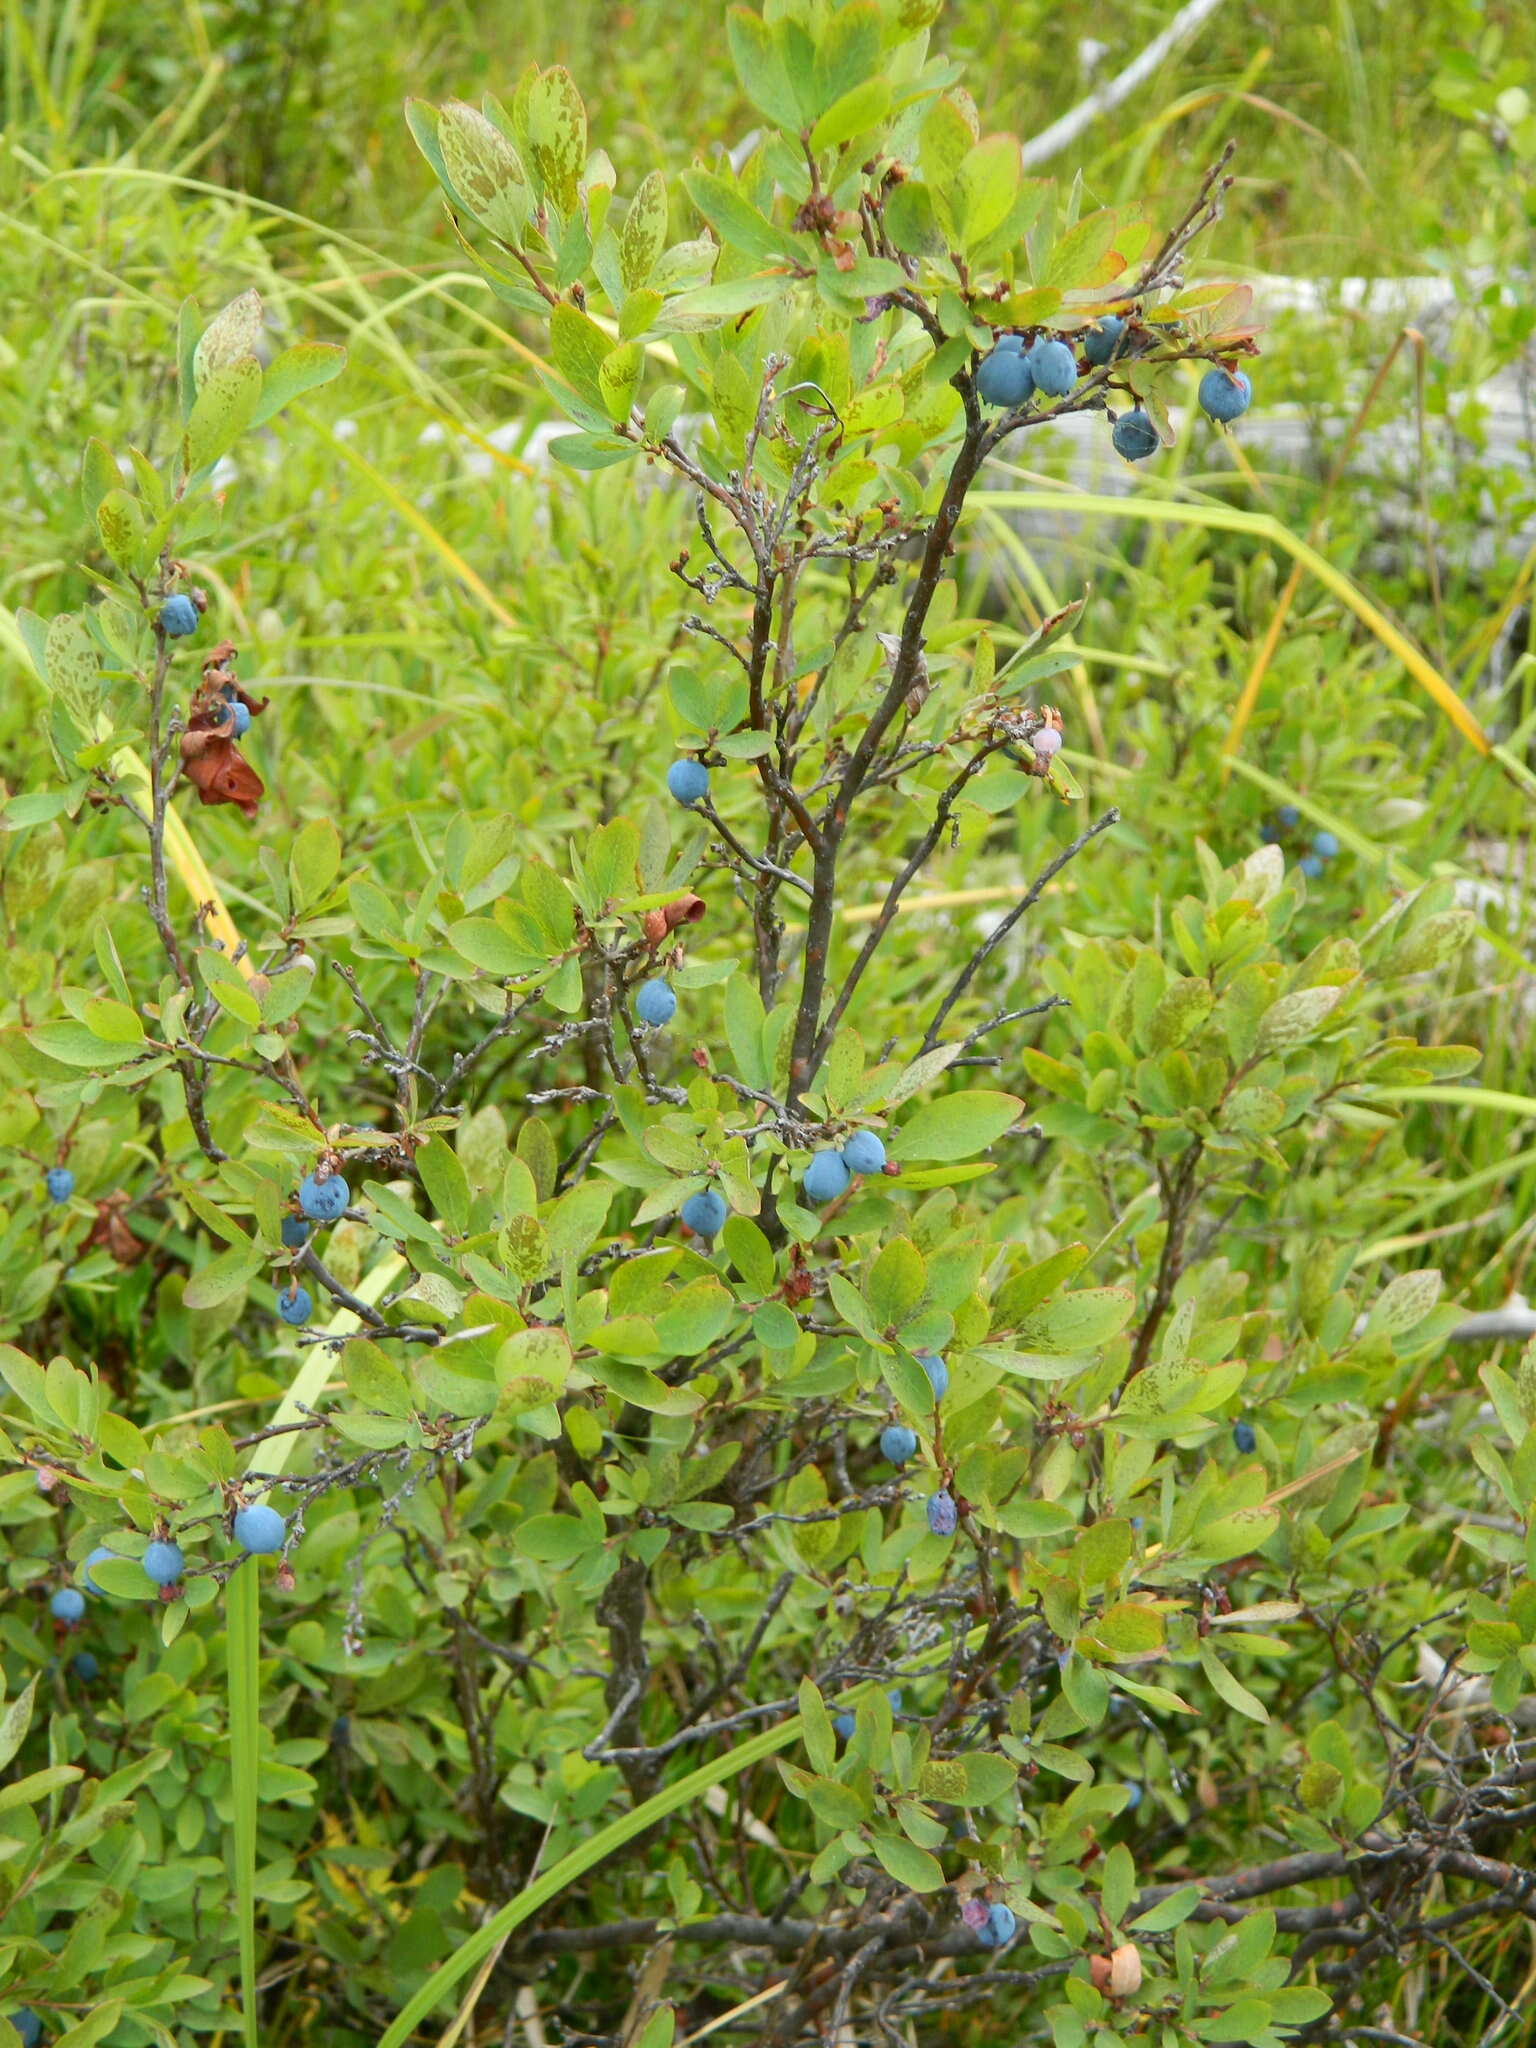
457,636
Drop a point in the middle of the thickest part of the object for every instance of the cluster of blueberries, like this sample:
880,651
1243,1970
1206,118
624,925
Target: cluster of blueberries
259,1530
1011,374
1325,845
833,1168
322,1198
898,1444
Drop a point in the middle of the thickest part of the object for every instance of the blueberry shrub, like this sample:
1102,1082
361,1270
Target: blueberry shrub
619,1422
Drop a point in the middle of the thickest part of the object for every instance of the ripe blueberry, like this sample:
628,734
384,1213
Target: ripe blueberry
1225,395
241,719
67,1605
655,1003
937,1371
60,1183
1132,1798
897,1443
825,1178
295,1232
28,2026
942,1513
100,1555
705,1213
260,1529
1324,845
323,1200
864,1153
1046,743
162,1563
295,1308
1269,832
1311,866
1288,817
688,781
1243,1436
1102,339
894,1696
842,1726
1134,436
1053,367
84,1665
1004,377
1000,1928
178,617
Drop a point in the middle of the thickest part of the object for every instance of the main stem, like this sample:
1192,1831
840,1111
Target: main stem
805,1055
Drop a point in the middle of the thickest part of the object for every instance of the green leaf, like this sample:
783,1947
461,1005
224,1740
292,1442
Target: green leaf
858,109
1294,1019
226,405
738,222
314,861
486,171
957,1126
445,1181
644,233
1077,1322
223,1277
1401,1306
304,367
757,53
556,128
124,533
896,1282
983,188
232,335
1236,1696
908,1864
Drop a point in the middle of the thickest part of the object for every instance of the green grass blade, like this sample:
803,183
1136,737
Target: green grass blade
581,1859
242,1634
1461,1098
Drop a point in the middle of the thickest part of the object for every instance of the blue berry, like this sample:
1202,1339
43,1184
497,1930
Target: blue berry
1310,866
163,1563
655,1003
1243,1436
100,1555
1046,743
864,1153
295,1232
323,1200
705,1213
688,781
60,1183
241,719
260,1529
1225,395
897,1443
1053,367
84,1666
1324,845
1000,1928
295,1307
178,617
1134,436
825,1178
1289,817
894,1696
1132,1797
1269,833
1102,339
842,1726
28,2026
937,1371
943,1515
67,1605
1004,377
